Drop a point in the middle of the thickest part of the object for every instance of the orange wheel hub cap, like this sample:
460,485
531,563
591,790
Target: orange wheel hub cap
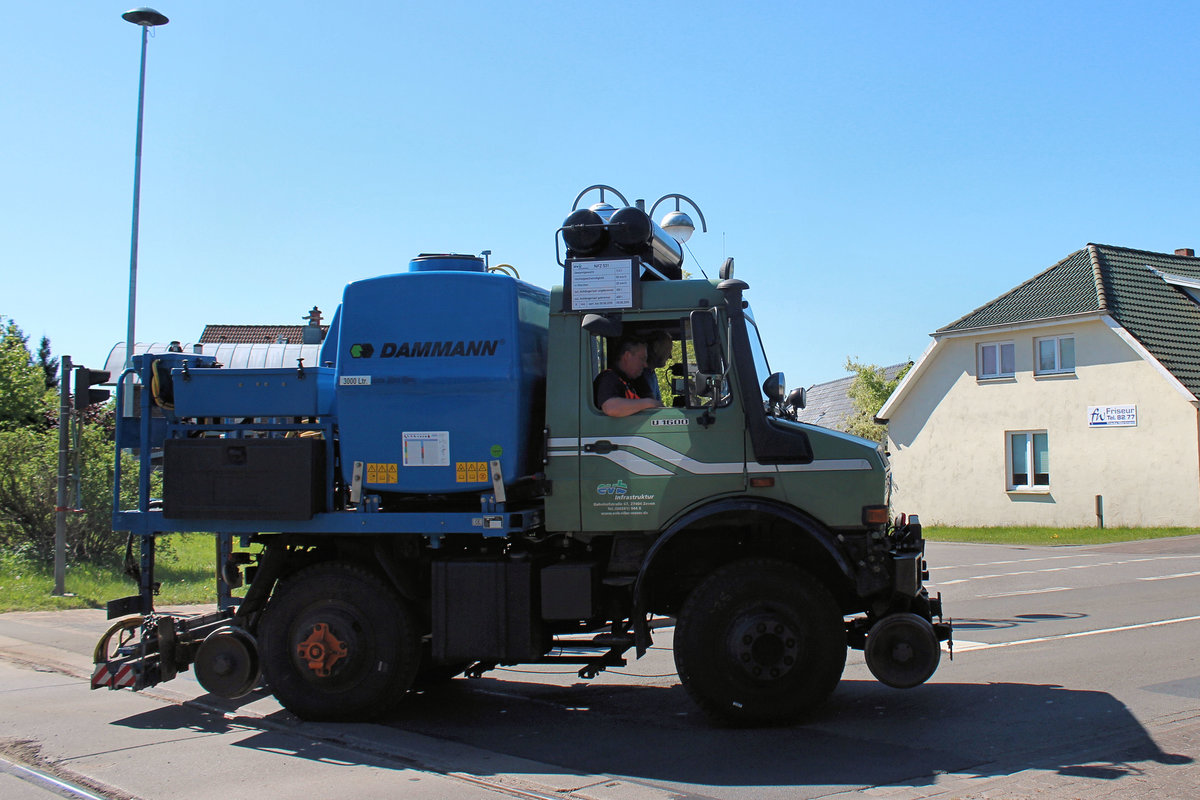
321,650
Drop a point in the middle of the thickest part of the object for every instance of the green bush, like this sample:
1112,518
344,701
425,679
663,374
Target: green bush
28,495
29,463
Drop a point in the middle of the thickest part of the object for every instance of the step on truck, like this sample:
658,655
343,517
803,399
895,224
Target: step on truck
442,495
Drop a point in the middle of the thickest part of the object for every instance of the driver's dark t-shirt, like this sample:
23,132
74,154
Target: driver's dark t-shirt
610,384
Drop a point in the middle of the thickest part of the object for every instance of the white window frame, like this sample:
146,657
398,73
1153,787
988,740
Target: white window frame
1058,369
1023,443
999,347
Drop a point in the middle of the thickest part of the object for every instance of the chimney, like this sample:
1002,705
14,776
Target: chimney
1184,251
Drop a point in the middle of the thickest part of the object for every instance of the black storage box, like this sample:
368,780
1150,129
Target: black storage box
483,611
243,478
569,591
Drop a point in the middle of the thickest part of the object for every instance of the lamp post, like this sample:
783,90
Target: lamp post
147,18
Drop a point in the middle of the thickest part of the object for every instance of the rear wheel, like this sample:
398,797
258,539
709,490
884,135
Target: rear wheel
338,644
759,641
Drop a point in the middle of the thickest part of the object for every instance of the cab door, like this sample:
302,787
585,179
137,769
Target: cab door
637,473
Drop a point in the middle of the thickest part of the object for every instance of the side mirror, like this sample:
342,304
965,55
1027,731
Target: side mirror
600,325
706,342
798,398
774,387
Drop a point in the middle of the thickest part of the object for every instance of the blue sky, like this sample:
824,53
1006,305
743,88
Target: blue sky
876,169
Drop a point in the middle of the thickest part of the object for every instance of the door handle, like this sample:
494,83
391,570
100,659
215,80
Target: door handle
601,447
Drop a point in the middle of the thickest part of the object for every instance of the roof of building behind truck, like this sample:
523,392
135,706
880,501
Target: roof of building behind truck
246,334
1154,296
829,404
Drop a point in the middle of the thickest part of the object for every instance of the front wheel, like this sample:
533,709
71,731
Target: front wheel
760,641
338,644
902,650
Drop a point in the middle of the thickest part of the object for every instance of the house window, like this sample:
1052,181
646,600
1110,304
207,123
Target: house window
1028,460
996,360
1054,355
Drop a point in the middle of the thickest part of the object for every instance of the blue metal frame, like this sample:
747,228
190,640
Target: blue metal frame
147,432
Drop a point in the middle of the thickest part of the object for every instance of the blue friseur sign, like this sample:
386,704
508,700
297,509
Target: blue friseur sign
1112,416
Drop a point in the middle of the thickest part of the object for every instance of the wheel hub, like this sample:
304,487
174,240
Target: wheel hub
765,647
321,650
902,653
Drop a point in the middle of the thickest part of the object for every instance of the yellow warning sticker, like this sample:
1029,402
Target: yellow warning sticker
471,472
383,473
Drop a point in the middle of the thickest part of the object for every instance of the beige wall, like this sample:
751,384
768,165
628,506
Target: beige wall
946,437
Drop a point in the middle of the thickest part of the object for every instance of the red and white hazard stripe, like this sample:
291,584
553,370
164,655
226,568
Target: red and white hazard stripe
122,677
100,676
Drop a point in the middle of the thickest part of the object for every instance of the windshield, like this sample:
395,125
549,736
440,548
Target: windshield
761,367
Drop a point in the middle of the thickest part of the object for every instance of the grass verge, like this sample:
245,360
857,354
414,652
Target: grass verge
186,568
1051,536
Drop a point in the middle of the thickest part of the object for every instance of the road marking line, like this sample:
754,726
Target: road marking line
1040,559
1027,591
1059,569
1169,577
1019,561
1081,634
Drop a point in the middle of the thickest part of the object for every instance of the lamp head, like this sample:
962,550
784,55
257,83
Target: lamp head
146,17
679,225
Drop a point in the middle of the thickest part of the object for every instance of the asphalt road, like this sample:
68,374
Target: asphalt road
1076,674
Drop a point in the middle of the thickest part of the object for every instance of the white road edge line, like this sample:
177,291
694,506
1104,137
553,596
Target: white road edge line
971,646
1169,577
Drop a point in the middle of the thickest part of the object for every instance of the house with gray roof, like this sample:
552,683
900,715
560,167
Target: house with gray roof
1071,400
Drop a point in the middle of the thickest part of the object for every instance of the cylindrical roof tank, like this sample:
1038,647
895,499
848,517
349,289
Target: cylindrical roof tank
584,233
633,231
446,262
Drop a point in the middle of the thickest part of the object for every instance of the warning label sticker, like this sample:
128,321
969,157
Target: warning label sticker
426,448
471,472
382,473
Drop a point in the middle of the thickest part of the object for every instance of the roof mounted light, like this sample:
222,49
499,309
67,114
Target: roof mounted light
678,223
605,210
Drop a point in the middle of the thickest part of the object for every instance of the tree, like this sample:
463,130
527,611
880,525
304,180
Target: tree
28,491
48,364
869,390
29,462
24,399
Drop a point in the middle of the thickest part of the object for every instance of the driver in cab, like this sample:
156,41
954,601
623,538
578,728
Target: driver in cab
621,390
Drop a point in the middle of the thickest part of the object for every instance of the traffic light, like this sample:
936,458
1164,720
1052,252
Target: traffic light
84,395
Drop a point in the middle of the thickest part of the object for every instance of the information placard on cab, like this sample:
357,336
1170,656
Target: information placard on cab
600,284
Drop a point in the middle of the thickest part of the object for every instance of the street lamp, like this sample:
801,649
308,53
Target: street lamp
147,18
